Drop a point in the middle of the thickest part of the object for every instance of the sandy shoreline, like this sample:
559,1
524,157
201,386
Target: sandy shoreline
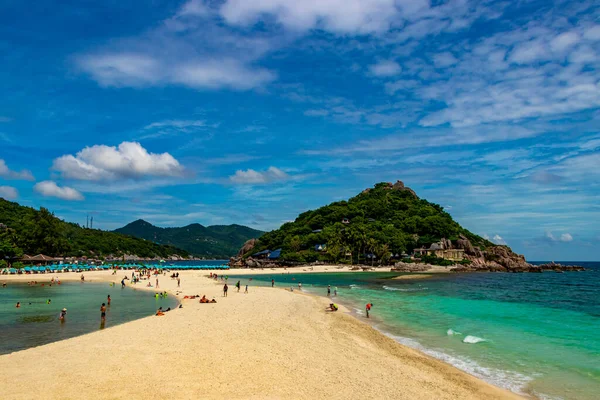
268,343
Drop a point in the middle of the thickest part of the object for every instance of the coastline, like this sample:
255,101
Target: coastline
269,343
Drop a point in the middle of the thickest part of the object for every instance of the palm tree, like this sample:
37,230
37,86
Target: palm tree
372,245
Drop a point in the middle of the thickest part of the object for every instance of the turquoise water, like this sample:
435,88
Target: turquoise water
36,322
534,334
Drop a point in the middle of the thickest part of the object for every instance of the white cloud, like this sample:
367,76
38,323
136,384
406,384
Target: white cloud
385,68
7,173
592,33
177,124
8,192
51,189
564,41
498,239
251,176
565,237
529,52
129,160
138,70
340,16
444,60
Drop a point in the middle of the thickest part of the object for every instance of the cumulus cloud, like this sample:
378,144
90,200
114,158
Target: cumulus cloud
51,189
7,173
385,68
445,59
8,192
565,237
251,176
128,160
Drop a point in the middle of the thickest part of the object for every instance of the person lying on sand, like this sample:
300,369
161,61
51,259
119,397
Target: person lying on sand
159,312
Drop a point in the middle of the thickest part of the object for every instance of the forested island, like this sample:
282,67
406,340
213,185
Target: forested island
24,230
385,225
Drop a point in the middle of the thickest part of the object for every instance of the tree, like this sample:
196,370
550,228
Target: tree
372,246
383,253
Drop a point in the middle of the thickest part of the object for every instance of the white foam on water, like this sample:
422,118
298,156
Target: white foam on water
396,289
510,380
473,339
354,287
451,332
542,396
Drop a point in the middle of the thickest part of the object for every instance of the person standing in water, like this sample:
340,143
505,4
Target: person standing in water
238,285
62,315
368,308
300,286
328,290
272,282
335,291
225,288
103,313
108,300
122,283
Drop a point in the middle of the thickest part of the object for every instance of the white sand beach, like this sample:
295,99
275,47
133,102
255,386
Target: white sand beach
267,344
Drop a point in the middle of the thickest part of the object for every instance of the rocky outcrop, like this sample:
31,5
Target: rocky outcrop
249,245
559,267
412,267
399,186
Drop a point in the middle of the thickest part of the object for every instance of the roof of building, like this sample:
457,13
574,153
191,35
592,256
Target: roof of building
275,254
261,253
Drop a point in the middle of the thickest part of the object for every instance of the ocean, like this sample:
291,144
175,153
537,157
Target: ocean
534,334
36,322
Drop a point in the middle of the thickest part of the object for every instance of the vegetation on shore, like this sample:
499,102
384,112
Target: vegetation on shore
374,225
217,241
29,231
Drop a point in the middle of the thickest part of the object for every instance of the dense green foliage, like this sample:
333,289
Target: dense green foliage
217,241
39,232
381,221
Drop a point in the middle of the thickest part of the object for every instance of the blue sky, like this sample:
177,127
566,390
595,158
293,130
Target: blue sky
250,112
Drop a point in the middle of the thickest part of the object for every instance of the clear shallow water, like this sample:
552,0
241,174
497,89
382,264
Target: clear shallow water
37,323
531,333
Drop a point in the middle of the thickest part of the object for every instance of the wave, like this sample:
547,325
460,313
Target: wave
397,289
509,380
473,339
451,332
354,286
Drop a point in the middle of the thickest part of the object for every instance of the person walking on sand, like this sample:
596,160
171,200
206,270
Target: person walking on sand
82,278
178,281
238,285
272,282
122,283
246,291
368,308
328,290
225,288
103,313
157,283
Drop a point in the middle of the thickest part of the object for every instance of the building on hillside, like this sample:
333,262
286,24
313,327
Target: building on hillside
320,247
275,254
437,250
262,254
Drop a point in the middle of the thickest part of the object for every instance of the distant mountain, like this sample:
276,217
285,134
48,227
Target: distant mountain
217,241
24,230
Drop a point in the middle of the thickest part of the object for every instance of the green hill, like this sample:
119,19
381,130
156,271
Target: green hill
26,230
384,220
217,241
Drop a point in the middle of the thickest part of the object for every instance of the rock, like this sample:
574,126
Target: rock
249,245
399,186
251,263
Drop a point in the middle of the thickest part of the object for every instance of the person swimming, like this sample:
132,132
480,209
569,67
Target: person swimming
18,304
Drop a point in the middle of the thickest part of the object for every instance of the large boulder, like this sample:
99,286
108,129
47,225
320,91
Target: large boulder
249,245
399,186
